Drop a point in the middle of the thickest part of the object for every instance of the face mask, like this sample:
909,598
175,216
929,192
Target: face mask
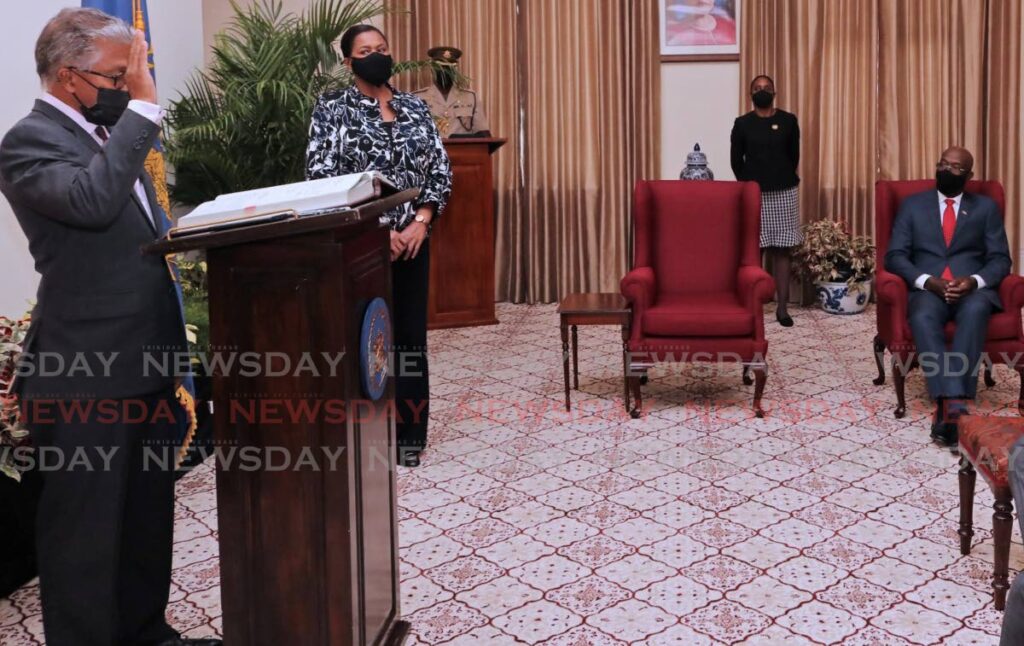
763,98
110,105
950,184
375,69
444,80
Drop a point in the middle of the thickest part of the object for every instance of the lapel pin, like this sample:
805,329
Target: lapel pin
775,126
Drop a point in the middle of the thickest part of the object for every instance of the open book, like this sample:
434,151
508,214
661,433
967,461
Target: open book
283,202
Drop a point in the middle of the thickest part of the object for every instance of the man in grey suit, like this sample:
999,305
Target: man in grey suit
73,171
951,248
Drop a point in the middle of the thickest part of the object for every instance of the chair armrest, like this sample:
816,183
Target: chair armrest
754,286
892,290
893,297
638,288
1011,292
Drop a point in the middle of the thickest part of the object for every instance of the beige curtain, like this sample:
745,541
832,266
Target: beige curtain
574,85
822,57
882,87
1004,137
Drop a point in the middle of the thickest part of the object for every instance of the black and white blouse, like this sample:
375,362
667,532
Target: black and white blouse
348,135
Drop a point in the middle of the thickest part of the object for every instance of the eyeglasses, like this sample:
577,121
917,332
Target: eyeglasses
117,79
956,169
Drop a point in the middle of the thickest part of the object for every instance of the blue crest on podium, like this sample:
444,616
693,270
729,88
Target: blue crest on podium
374,347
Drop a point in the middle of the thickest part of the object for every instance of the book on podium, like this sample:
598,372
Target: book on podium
309,552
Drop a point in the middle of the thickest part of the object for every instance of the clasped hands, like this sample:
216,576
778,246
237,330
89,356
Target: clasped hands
406,244
951,291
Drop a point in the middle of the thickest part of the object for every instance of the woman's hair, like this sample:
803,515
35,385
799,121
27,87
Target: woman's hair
349,37
762,76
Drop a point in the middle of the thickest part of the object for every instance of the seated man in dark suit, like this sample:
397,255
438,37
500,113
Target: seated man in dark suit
951,248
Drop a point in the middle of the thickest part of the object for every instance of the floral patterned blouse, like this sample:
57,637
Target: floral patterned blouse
348,135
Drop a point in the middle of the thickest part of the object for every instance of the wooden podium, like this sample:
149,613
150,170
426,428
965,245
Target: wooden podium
462,240
308,556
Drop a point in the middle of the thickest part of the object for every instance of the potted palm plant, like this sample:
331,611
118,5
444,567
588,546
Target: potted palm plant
841,266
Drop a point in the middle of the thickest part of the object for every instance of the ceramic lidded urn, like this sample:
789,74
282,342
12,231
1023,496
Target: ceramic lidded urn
696,165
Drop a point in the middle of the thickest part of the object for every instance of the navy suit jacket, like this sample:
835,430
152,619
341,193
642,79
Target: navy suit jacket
979,243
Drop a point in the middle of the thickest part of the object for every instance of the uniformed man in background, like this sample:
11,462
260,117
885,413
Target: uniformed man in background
457,109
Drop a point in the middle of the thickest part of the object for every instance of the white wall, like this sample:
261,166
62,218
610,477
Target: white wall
176,27
698,105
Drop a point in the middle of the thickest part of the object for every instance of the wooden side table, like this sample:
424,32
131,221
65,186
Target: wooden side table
592,309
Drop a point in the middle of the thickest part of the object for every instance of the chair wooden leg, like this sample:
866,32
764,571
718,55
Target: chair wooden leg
1002,524
899,380
968,476
989,379
747,379
638,401
760,377
879,348
1020,397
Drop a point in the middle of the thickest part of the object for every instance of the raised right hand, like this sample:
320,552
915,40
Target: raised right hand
138,81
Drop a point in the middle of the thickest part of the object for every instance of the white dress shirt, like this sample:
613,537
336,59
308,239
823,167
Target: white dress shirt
923,278
150,111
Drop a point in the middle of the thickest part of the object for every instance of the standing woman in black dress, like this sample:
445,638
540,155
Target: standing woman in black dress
372,126
766,150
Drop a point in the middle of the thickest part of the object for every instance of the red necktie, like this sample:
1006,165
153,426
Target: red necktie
948,227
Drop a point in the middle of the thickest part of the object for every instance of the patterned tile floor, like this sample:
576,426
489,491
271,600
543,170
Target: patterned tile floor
827,522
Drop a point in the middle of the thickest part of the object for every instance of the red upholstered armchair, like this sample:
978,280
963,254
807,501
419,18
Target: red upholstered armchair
697,287
1005,342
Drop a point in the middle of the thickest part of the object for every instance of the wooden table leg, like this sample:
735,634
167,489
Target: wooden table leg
565,361
625,366
575,360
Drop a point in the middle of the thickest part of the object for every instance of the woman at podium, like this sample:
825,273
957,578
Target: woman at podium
373,126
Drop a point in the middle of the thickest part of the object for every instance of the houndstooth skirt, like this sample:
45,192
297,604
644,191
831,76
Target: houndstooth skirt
780,218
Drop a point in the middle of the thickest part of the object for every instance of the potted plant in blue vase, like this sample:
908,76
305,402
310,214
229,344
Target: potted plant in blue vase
841,266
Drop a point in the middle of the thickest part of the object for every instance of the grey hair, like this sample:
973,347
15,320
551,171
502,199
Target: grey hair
69,39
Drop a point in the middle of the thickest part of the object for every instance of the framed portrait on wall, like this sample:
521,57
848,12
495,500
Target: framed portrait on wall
695,30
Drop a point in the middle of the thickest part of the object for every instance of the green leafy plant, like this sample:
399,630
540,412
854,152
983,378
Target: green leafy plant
192,275
830,254
12,429
243,123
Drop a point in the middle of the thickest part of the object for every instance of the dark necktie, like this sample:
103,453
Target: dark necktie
101,132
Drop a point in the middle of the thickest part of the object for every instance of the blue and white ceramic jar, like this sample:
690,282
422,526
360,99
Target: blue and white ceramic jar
696,166
838,298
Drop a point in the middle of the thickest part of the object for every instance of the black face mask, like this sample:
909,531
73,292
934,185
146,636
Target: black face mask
110,105
763,98
375,69
949,183
444,80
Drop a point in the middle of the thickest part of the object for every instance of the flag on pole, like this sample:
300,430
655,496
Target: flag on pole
134,12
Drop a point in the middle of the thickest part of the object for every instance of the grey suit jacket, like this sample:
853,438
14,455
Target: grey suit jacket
102,305
979,243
